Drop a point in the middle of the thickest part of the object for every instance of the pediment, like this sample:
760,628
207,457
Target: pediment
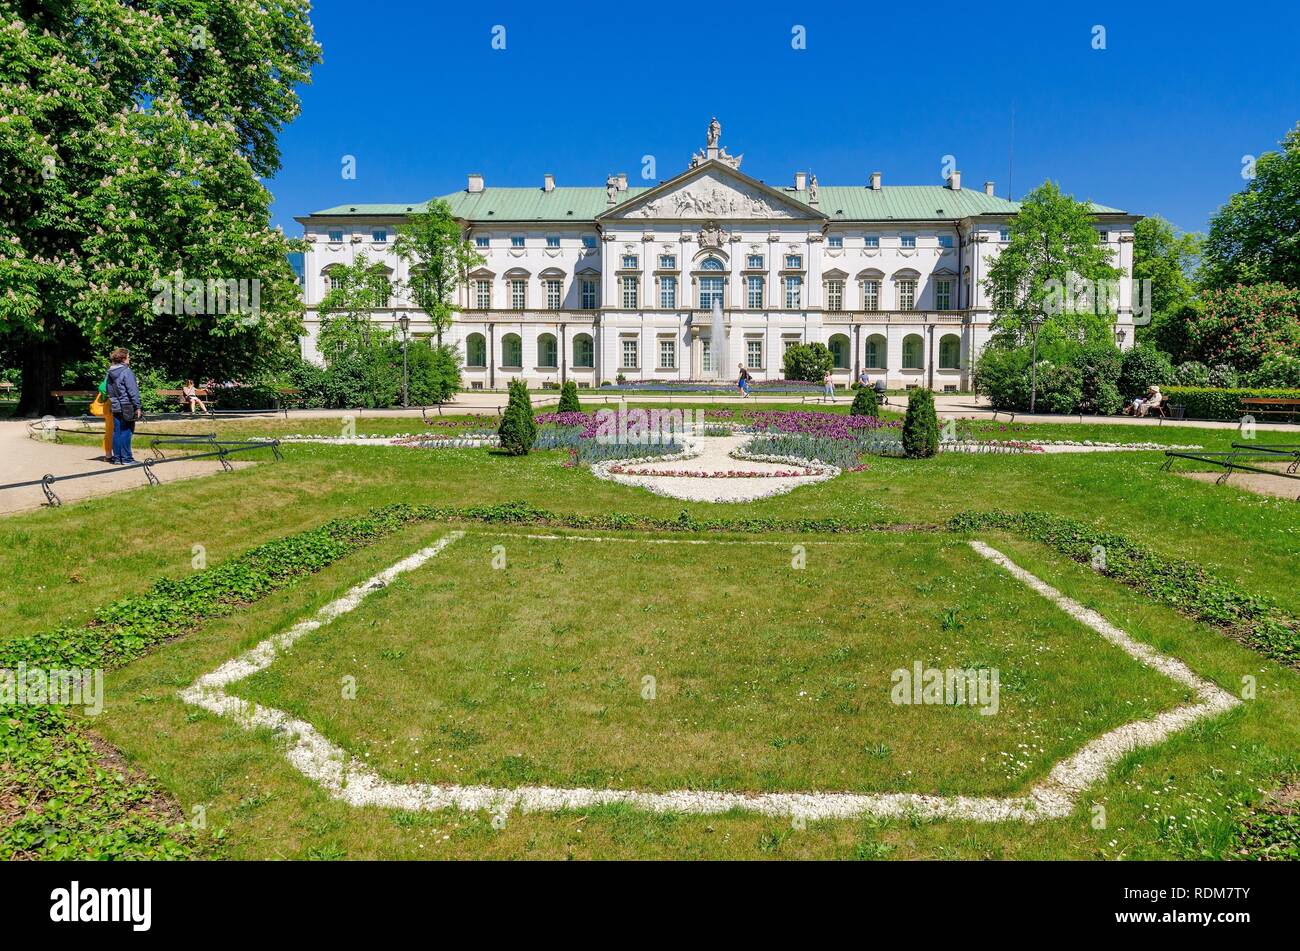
713,191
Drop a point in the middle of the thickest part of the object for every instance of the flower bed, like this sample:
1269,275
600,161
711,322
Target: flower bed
728,474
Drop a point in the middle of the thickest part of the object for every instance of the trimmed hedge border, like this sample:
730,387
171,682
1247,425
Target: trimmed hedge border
1188,587
1205,402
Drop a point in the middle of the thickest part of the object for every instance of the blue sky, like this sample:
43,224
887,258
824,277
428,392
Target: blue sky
1156,123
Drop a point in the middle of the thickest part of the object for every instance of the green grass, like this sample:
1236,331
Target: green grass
766,677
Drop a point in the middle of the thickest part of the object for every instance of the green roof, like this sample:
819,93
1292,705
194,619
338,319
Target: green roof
837,202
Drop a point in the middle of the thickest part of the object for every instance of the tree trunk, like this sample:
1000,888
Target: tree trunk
42,365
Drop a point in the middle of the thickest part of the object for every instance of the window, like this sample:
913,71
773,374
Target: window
871,295
547,352
754,262
754,292
482,241
584,352
554,293
835,241
943,295
950,352
475,351
482,294
667,262
336,235
383,290
710,291
839,347
834,295
379,235
552,241
516,241
706,355
588,294
1004,234
512,352
907,295
793,262
912,352
754,354
945,241
629,292
908,240
667,292
793,292
872,241
333,281
518,294
629,262
668,354
875,352
711,264
589,241
629,354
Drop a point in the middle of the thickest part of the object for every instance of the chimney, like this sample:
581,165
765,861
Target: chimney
800,181
548,182
475,182
875,181
954,181
622,181
988,188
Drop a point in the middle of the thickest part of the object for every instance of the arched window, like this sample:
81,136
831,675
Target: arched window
584,352
547,352
333,275
475,351
912,352
711,264
839,347
875,352
512,352
949,352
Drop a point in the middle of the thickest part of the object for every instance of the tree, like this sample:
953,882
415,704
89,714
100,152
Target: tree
439,256
865,403
518,429
353,346
1053,248
1144,366
434,372
134,140
1167,259
1255,237
807,361
1243,325
920,425
569,398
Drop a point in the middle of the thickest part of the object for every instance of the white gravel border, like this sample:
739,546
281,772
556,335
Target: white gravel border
352,781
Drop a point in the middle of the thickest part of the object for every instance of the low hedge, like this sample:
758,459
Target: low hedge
1183,585
1203,402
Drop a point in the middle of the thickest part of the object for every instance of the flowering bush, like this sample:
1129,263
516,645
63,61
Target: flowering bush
1243,325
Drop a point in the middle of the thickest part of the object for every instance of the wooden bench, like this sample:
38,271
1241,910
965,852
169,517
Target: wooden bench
179,396
1270,406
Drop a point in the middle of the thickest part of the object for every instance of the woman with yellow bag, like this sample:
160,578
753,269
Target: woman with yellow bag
100,407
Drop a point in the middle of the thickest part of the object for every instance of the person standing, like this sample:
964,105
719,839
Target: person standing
124,399
828,387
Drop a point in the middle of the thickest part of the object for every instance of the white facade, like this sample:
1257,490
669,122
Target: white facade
593,284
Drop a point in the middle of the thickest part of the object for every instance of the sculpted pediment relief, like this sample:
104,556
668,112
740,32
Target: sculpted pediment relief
712,196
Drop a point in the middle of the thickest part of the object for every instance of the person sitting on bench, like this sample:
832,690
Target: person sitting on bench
190,396
1148,403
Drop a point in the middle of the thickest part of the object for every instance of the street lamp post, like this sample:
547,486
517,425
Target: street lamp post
405,323
1034,324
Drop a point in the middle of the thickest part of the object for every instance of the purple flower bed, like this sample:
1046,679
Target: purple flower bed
828,425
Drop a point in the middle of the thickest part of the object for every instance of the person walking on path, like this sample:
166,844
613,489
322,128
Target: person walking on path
124,399
742,383
828,387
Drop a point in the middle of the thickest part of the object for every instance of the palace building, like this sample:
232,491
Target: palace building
596,283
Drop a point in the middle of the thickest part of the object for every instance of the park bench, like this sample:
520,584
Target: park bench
1270,406
179,396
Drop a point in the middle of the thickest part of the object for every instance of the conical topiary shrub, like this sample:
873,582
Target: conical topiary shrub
518,429
865,403
569,398
920,426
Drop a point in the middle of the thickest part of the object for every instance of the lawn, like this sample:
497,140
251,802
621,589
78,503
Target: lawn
534,673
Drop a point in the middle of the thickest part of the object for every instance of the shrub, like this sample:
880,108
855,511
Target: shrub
920,425
1215,403
1243,325
1223,375
1099,364
1002,374
518,429
808,361
865,403
1144,366
569,398
1191,373
1060,388
433,373
1278,370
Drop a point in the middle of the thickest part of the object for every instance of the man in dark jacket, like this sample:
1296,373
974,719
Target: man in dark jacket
124,399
